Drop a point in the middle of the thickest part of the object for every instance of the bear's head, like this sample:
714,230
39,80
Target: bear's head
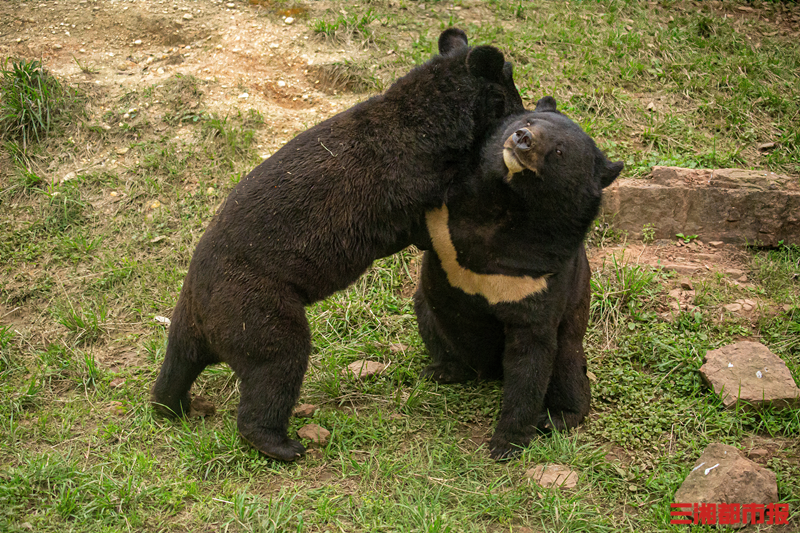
552,167
550,161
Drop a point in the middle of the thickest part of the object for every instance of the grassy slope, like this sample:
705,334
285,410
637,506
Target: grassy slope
86,271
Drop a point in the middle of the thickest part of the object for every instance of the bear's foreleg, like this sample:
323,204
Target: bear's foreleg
527,367
569,395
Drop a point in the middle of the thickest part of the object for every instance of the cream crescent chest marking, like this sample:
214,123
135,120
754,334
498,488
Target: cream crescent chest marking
496,288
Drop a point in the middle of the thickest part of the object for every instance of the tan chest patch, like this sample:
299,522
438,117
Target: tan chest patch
496,288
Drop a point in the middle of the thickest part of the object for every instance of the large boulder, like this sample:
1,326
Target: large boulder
729,205
722,475
748,372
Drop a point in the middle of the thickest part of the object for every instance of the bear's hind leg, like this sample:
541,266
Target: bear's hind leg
186,357
446,365
270,363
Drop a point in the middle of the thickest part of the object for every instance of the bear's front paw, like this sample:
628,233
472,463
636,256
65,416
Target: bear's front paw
448,373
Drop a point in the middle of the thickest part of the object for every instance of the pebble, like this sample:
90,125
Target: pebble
305,410
288,20
230,5
315,433
137,42
57,46
188,16
160,70
281,83
244,95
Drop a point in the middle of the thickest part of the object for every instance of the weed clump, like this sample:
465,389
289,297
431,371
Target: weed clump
32,102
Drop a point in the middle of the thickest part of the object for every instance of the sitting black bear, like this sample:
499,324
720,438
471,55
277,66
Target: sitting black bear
506,293
310,220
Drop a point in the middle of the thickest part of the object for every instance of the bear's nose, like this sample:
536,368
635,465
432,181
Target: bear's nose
523,139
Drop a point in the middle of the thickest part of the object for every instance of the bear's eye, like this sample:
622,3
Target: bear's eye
558,152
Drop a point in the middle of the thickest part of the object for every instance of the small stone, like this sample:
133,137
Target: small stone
230,5
210,191
122,151
68,176
244,95
137,42
687,285
160,70
315,433
188,16
201,408
155,205
742,279
716,244
305,410
363,368
57,47
281,83
683,269
553,476
116,383
398,348
733,308
651,106
733,272
116,408
288,20
763,147
758,454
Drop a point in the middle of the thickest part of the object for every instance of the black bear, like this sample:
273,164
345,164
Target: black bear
310,220
506,293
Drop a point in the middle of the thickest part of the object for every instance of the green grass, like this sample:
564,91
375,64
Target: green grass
87,264
31,101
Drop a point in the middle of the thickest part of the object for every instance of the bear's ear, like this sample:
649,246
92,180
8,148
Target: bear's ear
486,62
607,170
546,104
452,39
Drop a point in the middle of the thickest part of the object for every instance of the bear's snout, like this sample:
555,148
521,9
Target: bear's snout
522,139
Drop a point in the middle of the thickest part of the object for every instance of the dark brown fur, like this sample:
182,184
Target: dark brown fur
310,219
529,225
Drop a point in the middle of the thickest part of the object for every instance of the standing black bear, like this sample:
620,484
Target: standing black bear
506,293
310,220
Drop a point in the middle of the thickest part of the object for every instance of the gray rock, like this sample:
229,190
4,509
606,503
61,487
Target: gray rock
727,205
723,475
749,372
